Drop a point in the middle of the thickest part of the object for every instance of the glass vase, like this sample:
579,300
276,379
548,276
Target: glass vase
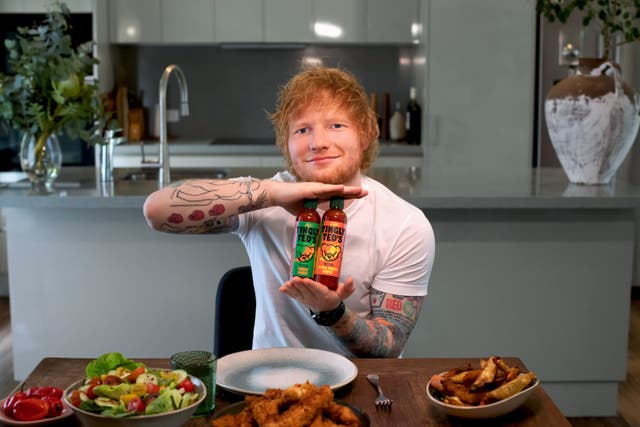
41,159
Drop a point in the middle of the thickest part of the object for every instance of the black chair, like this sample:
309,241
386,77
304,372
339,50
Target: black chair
235,312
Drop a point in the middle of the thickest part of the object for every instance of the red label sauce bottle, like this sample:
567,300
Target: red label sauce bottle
305,240
330,249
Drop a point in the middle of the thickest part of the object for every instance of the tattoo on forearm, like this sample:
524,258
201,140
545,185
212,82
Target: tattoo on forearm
385,333
209,198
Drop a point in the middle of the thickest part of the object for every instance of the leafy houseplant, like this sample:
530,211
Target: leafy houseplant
46,92
617,19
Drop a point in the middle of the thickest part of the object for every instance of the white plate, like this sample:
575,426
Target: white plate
254,371
492,410
4,419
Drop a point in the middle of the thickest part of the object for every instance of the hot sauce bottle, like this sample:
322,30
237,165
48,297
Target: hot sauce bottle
305,240
333,233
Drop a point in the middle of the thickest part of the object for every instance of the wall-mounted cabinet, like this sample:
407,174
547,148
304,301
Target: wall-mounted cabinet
192,24
388,21
40,6
238,21
339,21
288,21
342,21
260,21
135,21
161,21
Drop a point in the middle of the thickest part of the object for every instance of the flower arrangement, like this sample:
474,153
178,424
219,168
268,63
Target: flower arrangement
617,19
46,91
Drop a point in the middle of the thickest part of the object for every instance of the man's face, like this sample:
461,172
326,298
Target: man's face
324,144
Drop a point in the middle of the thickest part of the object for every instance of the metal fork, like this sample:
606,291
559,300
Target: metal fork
381,400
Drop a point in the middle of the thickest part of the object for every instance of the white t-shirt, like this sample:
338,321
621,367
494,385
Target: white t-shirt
389,246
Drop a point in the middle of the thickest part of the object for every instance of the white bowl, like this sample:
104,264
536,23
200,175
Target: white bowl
167,419
492,410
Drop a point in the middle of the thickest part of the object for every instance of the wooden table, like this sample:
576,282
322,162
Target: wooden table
404,380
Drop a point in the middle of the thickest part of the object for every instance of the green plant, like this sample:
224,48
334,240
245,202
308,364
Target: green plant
617,19
45,91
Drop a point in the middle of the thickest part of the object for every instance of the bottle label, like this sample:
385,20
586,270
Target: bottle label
330,250
304,249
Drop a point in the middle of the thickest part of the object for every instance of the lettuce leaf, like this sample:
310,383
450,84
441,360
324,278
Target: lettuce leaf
108,362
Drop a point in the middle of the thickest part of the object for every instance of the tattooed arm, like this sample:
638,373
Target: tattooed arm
213,205
386,332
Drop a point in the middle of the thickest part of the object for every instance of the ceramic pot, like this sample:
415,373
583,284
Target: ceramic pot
593,119
41,159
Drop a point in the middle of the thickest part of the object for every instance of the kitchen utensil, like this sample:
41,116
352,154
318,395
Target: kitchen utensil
381,400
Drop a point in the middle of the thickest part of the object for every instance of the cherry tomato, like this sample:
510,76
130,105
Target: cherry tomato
74,398
90,393
10,402
55,406
30,409
135,374
152,388
187,385
135,405
112,380
94,381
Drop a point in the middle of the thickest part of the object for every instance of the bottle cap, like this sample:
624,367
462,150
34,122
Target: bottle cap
336,202
310,203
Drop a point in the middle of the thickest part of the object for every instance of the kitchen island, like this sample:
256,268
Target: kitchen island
530,267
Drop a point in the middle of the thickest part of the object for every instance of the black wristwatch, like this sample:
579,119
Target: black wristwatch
328,318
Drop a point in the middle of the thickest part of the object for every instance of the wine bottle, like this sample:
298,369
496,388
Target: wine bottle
413,119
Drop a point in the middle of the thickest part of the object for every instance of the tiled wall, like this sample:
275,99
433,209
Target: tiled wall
230,89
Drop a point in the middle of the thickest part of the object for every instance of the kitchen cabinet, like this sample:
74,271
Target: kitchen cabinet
308,21
391,22
192,24
239,21
12,6
161,21
360,21
259,21
345,17
288,21
479,86
41,6
135,21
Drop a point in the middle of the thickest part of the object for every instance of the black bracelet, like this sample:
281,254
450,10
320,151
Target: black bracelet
329,318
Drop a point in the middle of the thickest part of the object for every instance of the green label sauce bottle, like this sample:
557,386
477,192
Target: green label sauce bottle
305,240
330,250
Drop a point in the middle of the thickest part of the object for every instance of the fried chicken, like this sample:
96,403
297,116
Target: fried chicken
301,405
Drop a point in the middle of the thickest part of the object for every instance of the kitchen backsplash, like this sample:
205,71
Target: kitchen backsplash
231,90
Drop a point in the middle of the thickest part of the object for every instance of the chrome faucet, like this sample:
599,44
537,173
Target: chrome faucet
164,173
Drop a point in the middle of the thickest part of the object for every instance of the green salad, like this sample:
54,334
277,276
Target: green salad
119,387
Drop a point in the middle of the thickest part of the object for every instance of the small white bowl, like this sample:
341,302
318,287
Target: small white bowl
167,419
492,410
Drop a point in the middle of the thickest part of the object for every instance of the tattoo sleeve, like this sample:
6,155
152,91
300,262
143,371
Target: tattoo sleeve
210,206
385,332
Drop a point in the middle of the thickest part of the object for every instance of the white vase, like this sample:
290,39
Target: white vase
593,120
41,160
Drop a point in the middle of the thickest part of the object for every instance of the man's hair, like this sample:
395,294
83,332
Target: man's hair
314,84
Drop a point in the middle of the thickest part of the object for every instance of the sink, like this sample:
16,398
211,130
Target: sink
176,175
